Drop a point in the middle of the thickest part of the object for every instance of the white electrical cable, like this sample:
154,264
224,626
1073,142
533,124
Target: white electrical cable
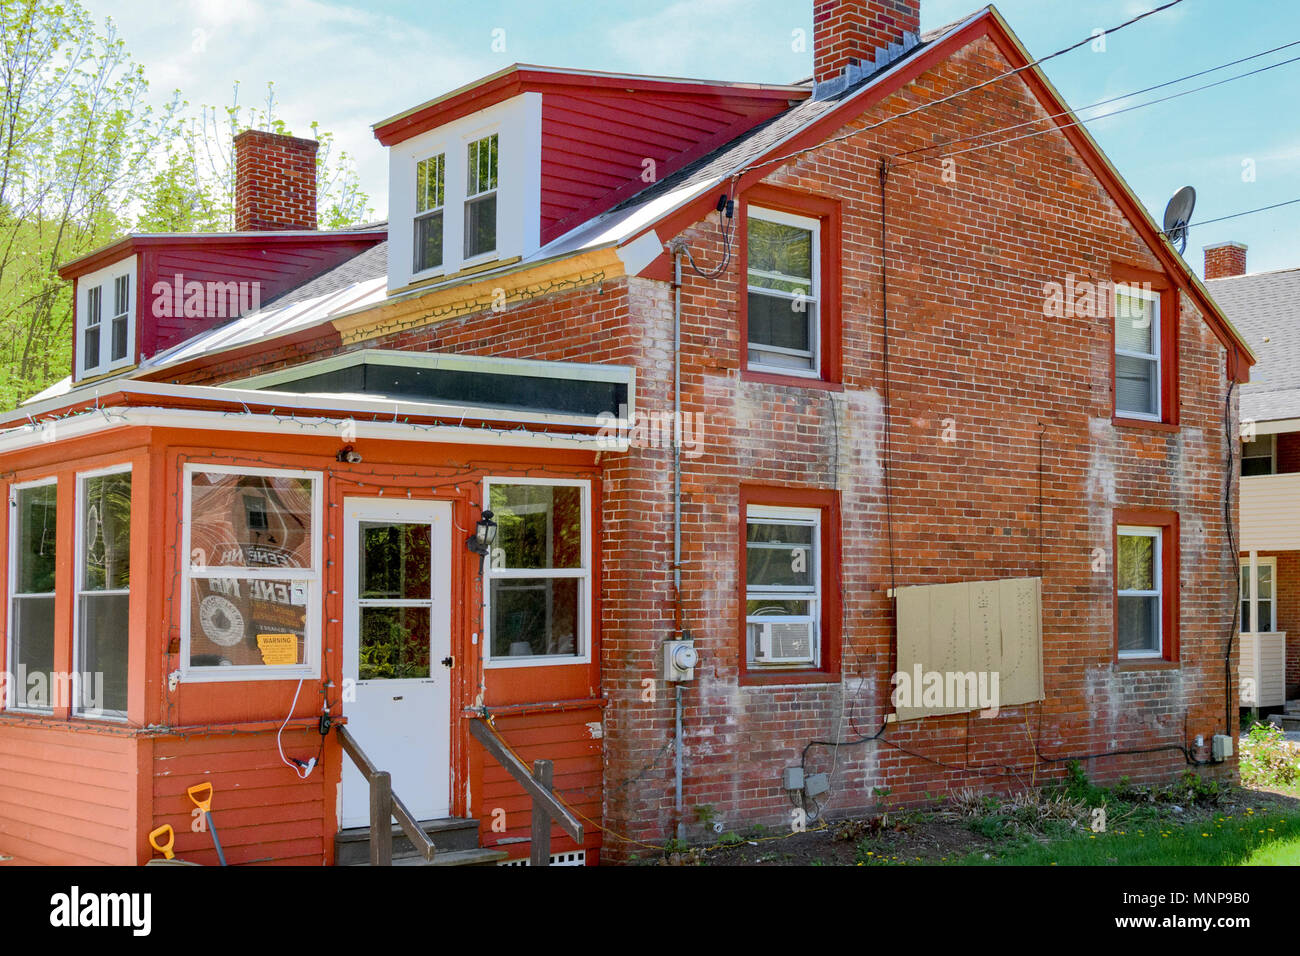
303,770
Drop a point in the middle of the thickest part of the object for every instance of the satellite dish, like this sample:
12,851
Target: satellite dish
1178,216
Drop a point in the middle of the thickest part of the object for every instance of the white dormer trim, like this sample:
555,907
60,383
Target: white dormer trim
104,280
518,125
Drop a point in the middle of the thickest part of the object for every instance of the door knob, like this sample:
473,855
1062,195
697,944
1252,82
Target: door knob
448,662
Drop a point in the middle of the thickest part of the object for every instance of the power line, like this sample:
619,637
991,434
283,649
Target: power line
1093,119
1248,212
1107,102
951,96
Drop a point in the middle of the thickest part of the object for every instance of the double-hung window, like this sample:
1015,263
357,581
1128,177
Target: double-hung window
105,319
1258,456
481,197
1137,353
252,581
1265,604
33,524
783,604
783,302
430,195
1140,591
538,575
103,582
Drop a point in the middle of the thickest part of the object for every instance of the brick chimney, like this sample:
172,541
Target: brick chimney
1223,260
275,182
848,33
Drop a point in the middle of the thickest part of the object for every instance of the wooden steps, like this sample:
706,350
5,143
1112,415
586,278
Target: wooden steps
456,839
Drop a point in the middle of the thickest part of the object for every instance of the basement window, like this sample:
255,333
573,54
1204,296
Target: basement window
103,581
251,604
33,556
538,575
783,300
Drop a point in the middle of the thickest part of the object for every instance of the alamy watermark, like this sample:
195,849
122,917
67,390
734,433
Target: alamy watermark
191,299
652,430
947,690
49,690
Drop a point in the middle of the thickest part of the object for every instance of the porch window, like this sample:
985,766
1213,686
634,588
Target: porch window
1137,353
32,555
783,586
1139,591
1258,456
103,570
538,576
783,305
430,195
1266,577
253,574
481,197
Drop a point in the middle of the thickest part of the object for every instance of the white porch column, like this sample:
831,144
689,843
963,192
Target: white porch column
1254,592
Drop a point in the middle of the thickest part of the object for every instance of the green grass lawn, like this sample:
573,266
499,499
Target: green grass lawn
1256,838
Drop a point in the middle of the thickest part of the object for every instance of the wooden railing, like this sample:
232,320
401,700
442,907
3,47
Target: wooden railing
384,806
537,784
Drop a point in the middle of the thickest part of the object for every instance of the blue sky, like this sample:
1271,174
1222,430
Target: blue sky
348,65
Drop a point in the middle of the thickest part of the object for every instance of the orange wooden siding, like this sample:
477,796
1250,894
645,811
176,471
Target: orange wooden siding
571,741
67,796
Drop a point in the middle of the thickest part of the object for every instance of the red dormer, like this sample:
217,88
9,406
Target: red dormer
149,292
494,170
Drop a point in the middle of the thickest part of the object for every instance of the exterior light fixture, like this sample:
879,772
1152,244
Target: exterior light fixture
485,533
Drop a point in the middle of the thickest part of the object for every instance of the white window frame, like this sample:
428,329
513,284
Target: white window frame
310,668
1272,455
105,281
428,213
1149,295
490,254
775,514
815,299
1252,596
583,575
11,693
517,122
1157,533
78,558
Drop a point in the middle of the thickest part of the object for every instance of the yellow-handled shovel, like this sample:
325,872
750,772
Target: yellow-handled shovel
201,795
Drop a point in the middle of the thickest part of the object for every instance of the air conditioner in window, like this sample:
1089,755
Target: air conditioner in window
786,642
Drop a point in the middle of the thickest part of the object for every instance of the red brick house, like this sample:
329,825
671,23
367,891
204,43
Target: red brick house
1265,306
759,426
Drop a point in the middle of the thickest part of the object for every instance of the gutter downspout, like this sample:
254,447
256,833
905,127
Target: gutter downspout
677,523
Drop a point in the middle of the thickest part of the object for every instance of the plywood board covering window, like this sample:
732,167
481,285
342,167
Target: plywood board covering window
965,633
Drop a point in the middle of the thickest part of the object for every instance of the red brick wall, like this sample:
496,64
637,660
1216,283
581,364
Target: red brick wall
275,182
850,30
968,261
1288,613
1288,453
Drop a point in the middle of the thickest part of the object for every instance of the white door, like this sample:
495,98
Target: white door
396,635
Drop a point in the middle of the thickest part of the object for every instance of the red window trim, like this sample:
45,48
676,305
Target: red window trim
1169,581
1122,273
827,212
828,501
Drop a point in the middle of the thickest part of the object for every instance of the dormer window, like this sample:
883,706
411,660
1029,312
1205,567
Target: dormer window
481,198
430,194
106,319
466,194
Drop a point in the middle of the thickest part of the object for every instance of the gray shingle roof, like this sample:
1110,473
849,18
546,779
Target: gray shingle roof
370,264
1265,307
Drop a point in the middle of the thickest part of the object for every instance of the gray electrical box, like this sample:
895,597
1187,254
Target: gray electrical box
792,778
1221,747
680,658
816,784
